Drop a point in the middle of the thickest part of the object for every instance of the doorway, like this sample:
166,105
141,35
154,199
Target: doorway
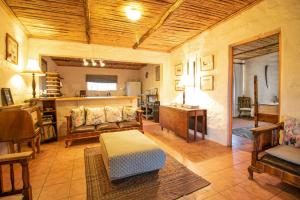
254,87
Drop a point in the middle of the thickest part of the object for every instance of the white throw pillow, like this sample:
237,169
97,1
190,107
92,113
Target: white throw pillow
129,113
113,114
95,116
78,116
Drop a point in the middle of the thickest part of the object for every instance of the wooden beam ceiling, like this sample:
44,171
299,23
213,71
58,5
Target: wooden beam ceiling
78,62
257,48
164,25
160,22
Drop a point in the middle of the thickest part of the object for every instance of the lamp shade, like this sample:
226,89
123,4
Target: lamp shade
33,68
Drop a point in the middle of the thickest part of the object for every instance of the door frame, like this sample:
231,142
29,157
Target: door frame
231,74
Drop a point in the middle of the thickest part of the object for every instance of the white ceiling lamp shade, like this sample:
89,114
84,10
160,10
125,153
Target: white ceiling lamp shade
133,13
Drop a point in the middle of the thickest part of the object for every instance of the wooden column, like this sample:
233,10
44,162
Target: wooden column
255,102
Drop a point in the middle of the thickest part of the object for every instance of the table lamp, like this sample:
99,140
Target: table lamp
184,82
34,70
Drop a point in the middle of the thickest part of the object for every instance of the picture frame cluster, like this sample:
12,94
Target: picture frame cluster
206,81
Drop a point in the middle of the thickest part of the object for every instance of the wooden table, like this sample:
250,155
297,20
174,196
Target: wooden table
177,119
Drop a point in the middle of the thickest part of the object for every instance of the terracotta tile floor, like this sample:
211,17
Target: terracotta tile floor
59,173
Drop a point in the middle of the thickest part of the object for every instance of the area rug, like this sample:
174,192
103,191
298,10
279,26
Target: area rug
243,132
171,182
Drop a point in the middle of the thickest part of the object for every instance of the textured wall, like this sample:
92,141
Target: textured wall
150,82
9,73
264,17
256,66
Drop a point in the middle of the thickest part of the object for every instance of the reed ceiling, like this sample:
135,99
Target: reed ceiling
257,48
164,25
78,62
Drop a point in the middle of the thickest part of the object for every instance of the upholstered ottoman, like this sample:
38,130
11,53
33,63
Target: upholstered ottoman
127,153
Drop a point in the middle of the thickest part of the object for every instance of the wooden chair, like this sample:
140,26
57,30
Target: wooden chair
11,159
20,126
265,138
244,106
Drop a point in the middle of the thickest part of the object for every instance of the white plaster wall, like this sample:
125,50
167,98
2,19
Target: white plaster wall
256,66
10,75
75,79
150,82
264,17
38,47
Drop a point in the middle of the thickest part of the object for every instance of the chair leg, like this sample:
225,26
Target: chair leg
250,171
33,148
38,144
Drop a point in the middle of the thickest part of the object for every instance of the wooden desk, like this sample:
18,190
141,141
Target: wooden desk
178,119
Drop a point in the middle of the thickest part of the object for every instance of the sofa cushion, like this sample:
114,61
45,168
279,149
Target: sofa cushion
285,152
83,128
129,124
107,126
281,164
291,132
129,113
78,116
113,114
95,116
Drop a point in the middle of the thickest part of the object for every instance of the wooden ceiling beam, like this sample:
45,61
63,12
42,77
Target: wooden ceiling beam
160,22
87,18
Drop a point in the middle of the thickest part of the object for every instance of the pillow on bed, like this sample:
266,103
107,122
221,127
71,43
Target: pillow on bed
291,132
113,114
78,116
95,116
129,113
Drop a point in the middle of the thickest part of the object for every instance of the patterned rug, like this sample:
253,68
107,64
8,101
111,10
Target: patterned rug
243,132
171,182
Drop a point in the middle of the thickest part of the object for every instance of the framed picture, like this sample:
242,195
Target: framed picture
207,63
178,70
177,87
12,50
6,97
207,82
157,73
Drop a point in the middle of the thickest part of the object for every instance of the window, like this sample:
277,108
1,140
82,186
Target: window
101,82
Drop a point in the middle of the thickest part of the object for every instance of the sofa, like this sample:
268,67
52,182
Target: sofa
90,122
275,156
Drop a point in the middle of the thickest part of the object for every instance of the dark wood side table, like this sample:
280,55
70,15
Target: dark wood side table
177,120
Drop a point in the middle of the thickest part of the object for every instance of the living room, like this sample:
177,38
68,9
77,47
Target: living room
192,43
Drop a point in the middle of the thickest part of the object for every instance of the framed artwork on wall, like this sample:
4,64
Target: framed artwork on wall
178,69
12,49
207,63
6,97
177,87
207,82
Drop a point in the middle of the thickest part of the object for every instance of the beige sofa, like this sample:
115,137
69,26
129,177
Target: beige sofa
91,122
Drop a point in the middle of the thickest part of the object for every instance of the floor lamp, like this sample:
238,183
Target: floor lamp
34,74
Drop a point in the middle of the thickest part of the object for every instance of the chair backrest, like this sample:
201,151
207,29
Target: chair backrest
244,102
19,124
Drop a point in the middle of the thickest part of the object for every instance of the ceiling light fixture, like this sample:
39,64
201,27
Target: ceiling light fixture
133,13
94,63
85,62
102,64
